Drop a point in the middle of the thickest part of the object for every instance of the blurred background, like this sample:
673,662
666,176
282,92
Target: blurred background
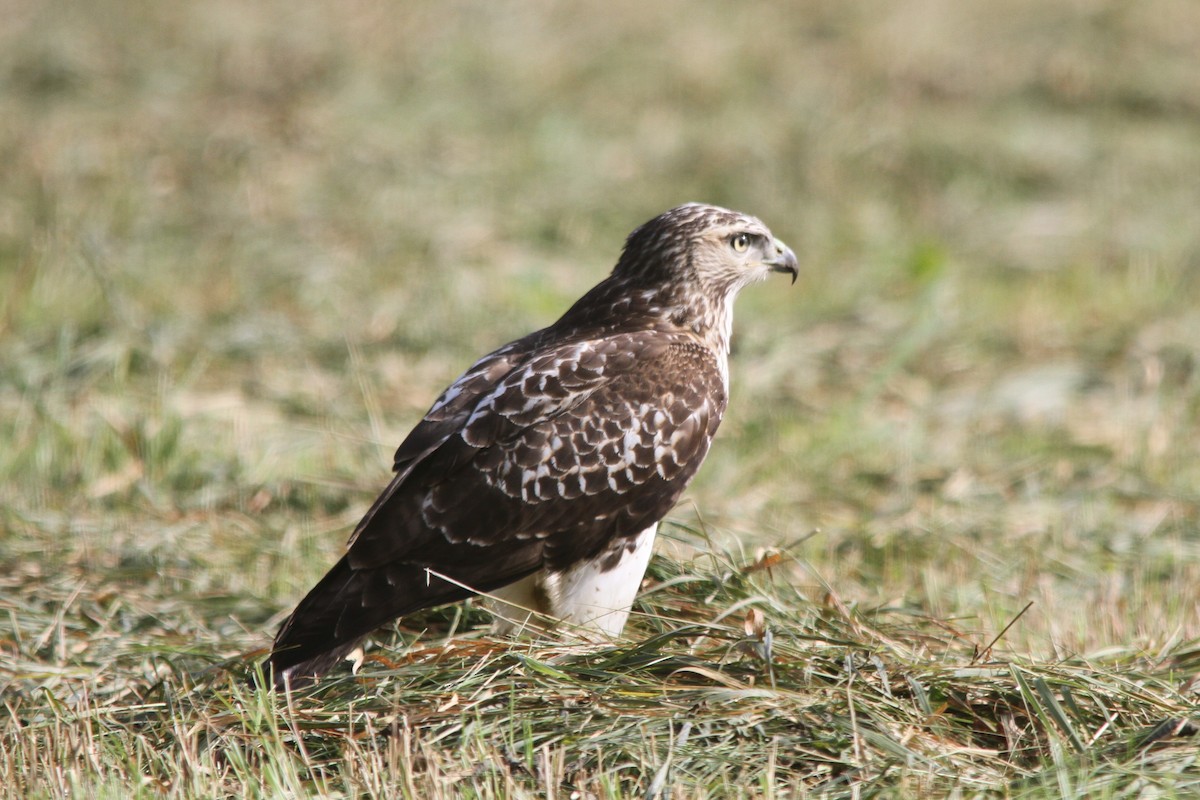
244,245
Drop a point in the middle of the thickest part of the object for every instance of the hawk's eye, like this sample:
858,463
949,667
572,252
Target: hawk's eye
740,242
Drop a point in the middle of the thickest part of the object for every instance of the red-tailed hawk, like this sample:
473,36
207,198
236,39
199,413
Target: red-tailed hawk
539,477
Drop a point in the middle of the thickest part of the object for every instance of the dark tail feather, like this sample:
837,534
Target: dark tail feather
331,621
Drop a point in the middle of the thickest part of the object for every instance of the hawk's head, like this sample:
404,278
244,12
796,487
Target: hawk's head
719,249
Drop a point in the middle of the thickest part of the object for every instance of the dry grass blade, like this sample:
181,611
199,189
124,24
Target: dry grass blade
244,245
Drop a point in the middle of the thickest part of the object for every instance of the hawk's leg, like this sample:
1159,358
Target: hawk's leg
515,606
593,596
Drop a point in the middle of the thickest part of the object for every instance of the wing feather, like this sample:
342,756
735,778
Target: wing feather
568,447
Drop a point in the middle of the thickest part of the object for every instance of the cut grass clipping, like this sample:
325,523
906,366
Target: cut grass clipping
244,245
732,683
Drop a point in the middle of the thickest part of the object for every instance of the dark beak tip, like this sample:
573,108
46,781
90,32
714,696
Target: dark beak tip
785,261
788,265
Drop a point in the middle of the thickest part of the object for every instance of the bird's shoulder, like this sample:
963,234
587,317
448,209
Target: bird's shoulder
543,375
536,434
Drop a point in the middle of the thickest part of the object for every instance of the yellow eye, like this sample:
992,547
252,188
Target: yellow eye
740,242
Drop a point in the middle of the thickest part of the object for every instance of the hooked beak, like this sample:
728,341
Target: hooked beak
784,260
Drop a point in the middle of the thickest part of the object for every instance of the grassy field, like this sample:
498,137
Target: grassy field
947,543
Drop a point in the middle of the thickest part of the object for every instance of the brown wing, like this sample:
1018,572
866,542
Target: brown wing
584,442
544,465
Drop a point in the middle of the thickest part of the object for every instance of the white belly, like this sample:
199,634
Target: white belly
585,597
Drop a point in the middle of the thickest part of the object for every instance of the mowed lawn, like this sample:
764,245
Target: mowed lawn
947,542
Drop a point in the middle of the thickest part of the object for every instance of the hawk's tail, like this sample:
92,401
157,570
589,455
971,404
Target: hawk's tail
348,603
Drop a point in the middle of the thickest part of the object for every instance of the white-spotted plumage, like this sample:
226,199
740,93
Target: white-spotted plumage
540,475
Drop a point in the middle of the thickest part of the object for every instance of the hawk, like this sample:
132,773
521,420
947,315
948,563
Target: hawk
539,476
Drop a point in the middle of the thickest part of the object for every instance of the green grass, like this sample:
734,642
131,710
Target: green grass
243,247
